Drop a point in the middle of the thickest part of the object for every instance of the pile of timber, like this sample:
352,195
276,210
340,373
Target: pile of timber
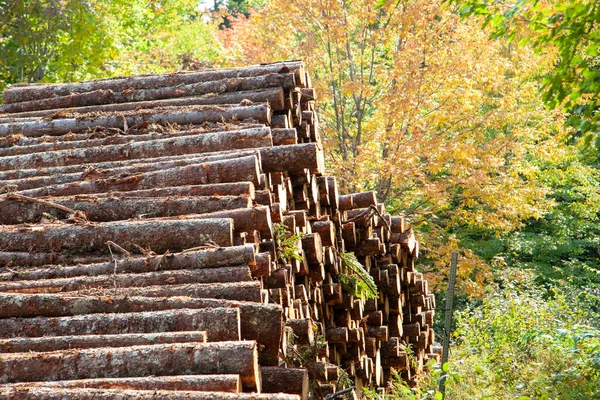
175,236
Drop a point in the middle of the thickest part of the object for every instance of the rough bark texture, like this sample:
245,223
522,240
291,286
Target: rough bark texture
259,322
196,115
15,211
243,169
293,158
194,358
201,383
33,92
23,392
77,102
160,235
219,324
288,380
181,277
108,169
207,258
27,145
284,136
203,143
243,291
248,219
54,343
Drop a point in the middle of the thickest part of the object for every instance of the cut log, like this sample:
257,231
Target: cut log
16,211
120,362
191,115
259,322
22,392
181,277
242,291
203,143
75,102
108,169
160,235
247,220
207,258
220,324
285,380
284,136
17,93
243,169
201,383
293,158
53,343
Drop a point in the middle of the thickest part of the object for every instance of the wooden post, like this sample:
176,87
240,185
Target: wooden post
448,320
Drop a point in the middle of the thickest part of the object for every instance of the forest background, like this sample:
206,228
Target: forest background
476,120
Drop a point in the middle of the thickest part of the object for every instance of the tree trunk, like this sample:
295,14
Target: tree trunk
193,144
38,177
259,322
54,343
22,392
76,102
160,235
27,145
194,115
284,136
287,380
199,259
293,158
34,92
247,219
201,383
114,362
243,169
180,277
219,324
241,291
16,211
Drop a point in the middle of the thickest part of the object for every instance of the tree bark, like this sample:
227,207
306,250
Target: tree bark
241,291
79,102
219,324
54,343
179,277
247,219
199,259
243,169
201,383
284,136
192,144
15,211
194,115
293,158
23,392
286,380
173,359
160,235
34,92
37,177
259,322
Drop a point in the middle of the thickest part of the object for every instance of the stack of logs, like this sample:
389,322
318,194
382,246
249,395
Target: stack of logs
140,255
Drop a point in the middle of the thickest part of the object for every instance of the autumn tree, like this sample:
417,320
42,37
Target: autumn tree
420,106
572,29
51,39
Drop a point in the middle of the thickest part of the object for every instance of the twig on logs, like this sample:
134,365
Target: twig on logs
16,196
207,245
370,212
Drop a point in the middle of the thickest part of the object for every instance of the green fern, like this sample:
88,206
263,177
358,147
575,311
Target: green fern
355,279
287,243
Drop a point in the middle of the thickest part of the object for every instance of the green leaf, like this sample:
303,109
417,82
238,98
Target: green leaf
446,367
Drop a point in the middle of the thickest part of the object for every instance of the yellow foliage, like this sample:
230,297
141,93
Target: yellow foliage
421,107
